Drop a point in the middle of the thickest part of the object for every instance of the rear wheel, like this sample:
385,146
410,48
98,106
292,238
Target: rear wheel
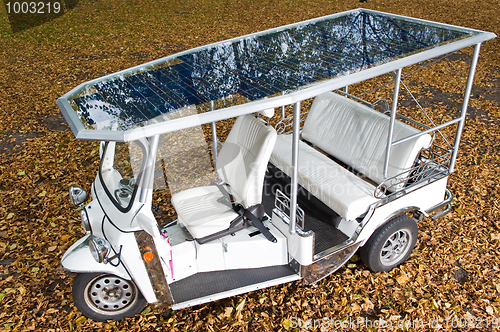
102,296
391,244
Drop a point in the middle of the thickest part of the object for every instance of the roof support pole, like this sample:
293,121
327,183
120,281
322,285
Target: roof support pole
465,103
214,135
295,162
393,118
147,186
283,115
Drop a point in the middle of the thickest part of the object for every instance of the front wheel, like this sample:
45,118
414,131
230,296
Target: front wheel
102,296
391,244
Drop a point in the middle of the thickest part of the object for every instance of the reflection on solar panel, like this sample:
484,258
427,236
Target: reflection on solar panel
256,66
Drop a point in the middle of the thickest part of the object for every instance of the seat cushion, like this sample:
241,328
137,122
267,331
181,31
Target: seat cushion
200,210
344,192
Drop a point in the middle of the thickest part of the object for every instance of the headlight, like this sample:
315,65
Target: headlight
99,248
77,195
85,220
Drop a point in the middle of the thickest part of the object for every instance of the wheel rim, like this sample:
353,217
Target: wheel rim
396,247
110,295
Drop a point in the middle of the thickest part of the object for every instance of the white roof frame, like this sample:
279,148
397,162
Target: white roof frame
254,106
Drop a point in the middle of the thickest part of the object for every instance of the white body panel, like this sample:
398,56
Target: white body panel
183,255
421,199
300,247
79,259
245,250
131,258
209,256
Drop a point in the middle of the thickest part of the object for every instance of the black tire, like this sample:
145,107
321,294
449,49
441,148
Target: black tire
391,244
103,296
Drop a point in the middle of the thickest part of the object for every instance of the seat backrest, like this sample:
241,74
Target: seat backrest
357,135
243,158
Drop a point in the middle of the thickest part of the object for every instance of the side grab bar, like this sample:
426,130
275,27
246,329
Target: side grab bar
446,201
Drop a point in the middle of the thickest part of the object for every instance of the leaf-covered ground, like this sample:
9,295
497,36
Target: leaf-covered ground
453,274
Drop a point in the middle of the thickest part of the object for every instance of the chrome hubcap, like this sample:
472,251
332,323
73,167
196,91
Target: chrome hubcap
396,247
108,293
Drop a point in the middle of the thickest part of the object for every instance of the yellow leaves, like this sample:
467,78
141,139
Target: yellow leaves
286,324
65,238
368,305
490,310
402,278
355,308
146,311
80,320
497,288
240,306
228,311
36,164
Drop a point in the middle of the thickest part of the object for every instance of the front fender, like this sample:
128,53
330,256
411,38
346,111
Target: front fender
79,259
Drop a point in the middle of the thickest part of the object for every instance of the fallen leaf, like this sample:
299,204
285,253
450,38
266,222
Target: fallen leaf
80,320
146,311
65,237
228,312
402,278
240,306
367,305
497,287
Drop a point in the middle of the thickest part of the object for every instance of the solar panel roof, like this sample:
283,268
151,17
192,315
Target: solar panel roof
254,72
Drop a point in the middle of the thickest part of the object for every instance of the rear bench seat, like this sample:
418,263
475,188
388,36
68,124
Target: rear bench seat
356,135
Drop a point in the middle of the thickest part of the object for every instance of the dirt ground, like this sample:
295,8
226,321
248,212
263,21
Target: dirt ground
452,277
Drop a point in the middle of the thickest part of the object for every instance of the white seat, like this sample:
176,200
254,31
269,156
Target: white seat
241,164
357,136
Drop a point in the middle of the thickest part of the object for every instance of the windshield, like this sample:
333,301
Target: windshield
120,171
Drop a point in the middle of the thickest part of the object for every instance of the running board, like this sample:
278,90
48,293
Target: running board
210,286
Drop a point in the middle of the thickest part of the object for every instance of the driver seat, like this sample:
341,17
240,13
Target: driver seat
241,165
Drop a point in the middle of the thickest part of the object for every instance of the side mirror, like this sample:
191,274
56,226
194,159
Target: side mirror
77,195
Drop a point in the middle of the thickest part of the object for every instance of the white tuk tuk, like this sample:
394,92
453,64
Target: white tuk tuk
284,197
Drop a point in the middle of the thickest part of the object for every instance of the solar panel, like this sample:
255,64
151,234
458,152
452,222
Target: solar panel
282,60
